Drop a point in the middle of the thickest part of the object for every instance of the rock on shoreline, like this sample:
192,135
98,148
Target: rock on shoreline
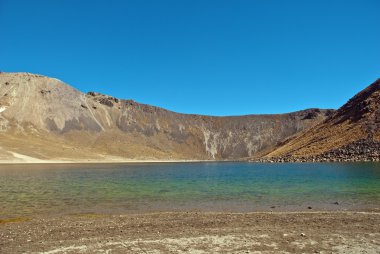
363,150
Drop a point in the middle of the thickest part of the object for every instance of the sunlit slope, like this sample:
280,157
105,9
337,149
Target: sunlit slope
45,118
355,127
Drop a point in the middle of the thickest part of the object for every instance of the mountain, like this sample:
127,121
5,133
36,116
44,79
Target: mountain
352,133
42,118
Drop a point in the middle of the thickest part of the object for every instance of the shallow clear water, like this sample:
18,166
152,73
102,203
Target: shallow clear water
33,190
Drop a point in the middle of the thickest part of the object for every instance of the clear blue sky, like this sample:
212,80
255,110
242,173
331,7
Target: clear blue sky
198,56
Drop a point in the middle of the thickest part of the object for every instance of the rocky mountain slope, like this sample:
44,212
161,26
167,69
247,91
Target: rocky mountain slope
44,118
352,133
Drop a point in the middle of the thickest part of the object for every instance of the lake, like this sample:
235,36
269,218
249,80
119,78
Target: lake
54,189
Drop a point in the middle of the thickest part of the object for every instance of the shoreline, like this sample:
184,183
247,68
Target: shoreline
263,161
8,162
196,232
308,208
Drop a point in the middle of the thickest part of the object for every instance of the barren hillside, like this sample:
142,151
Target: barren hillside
351,133
44,118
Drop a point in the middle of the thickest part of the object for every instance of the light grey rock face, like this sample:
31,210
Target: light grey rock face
47,103
50,106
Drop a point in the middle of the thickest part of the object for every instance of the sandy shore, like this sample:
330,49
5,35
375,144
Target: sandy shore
192,232
10,157
30,160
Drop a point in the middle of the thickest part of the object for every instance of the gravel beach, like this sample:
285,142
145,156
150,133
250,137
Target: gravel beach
195,232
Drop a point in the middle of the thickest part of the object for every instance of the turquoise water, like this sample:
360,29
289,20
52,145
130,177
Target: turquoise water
33,190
